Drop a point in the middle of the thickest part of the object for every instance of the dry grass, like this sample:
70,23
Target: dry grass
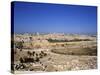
76,51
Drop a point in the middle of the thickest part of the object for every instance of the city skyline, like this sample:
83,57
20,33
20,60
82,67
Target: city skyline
59,18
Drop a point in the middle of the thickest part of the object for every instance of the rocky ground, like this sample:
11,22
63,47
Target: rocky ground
59,56
54,62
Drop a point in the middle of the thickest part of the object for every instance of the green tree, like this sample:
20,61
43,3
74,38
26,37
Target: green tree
19,45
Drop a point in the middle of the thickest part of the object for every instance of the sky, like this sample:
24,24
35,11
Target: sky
49,18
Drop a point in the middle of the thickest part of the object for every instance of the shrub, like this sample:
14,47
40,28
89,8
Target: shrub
29,60
37,59
29,53
33,53
19,45
21,60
